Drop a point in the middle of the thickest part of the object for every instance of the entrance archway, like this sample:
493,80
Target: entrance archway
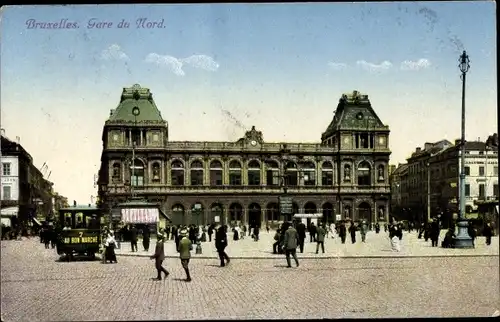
216,212
254,215
364,212
328,213
310,208
178,217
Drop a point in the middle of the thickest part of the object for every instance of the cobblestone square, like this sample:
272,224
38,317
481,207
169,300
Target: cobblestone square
36,287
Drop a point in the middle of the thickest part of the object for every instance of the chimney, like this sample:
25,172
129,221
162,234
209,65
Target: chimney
427,146
111,112
3,132
18,139
417,150
457,141
74,203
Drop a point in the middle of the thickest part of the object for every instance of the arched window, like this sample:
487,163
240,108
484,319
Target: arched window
196,173
364,174
117,172
178,217
235,173
137,173
327,174
156,173
216,173
253,173
309,171
235,213
177,173
380,173
272,173
291,173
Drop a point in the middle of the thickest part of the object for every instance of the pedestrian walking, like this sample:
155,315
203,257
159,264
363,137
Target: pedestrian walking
159,257
488,232
185,248
109,250
394,233
146,238
434,232
352,231
312,232
363,230
291,243
133,238
342,231
332,230
301,231
472,232
210,231
377,228
221,244
277,238
320,238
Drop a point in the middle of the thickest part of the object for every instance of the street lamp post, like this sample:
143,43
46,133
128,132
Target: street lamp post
286,204
463,240
428,192
136,112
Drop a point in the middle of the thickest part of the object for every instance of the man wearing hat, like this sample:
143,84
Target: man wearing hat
185,247
159,257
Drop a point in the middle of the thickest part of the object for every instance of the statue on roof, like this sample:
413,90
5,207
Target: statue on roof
253,135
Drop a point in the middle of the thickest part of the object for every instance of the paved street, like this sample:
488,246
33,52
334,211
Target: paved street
35,287
377,245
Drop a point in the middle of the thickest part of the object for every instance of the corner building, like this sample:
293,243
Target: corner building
345,174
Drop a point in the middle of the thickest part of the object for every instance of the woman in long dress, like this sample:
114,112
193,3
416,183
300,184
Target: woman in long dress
110,245
394,236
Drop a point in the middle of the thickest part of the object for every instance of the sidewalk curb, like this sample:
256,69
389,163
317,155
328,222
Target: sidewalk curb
324,257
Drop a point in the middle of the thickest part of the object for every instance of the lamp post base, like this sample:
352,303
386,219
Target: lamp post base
463,240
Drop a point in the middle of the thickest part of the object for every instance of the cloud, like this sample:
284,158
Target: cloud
337,66
114,52
201,61
385,65
415,65
170,62
175,64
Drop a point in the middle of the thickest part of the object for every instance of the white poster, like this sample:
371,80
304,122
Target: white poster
338,217
315,221
304,221
217,219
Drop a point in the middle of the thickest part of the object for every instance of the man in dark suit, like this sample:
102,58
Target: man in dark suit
159,257
185,247
290,243
133,238
301,231
221,244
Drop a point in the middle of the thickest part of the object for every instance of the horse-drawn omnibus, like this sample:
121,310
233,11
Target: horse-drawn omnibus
81,231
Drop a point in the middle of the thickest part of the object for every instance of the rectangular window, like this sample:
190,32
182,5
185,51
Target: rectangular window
254,177
216,177
467,171
481,171
481,190
196,177
467,190
6,169
137,181
235,177
6,191
495,191
291,178
272,178
177,177
309,178
327,178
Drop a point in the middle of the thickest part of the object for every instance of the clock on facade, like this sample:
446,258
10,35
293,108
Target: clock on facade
359,116
155,137
115,137
381,140
346,140
253,142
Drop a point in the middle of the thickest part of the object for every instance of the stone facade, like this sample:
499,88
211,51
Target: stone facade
345,174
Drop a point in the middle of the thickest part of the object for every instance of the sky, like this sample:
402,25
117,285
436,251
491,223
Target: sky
217,69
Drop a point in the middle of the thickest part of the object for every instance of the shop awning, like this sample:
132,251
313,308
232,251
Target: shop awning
9,211
6,221
140,215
